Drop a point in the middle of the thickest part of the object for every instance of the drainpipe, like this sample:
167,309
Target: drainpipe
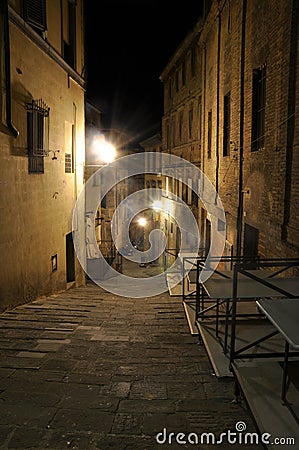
241,147
204,73
218,106
202,150
9,123
291,118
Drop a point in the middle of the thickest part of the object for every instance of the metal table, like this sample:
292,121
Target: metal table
283,314
220,288
248,288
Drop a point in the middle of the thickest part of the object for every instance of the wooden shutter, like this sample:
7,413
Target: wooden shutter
35,13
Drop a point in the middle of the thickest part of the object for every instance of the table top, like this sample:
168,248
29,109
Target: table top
228,274
249,288
284,314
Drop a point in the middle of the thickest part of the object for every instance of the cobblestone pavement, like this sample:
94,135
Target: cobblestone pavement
86,369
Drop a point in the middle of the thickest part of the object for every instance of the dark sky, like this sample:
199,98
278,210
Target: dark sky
128,44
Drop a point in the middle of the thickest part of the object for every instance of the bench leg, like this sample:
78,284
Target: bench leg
226,327
285,372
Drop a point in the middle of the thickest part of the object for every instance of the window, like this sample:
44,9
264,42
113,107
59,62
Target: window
194,198
258,108
183,73
37,135
189,191
173,131
193,61
209,134
68,163
180,187
34,13
226,125
177,81
173,191
169,89
184,195
69,31
180,125
251,245
69,157
199,119
104,202
190,123
167,185
167,136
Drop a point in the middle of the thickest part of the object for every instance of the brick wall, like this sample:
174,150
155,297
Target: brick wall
270,180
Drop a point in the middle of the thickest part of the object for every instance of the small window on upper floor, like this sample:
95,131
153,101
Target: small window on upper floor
104,202
69,31
177,81
183,73
180,125
34,13
258,108
190,123
193,61
169,88
199,119
173,130
167,136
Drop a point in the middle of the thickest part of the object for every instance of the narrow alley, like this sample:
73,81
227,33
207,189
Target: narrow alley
86,369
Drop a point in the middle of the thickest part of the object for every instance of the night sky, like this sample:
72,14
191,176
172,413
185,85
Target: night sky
128,44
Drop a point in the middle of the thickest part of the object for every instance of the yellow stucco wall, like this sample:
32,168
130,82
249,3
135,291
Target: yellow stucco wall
36,209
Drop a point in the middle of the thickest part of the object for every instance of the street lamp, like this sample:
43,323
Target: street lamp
102,150
142,221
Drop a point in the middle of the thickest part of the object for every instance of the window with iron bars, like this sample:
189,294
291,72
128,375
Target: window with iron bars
37,135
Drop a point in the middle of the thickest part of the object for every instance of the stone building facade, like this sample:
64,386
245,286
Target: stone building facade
155,184
42,145
104,150
245,92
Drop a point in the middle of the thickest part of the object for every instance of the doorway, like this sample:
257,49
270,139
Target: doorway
208,237
251,240
70,258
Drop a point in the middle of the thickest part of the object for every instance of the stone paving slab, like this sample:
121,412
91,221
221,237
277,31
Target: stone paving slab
89,370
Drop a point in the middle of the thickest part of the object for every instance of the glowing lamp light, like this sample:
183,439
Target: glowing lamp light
104,150
142,221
